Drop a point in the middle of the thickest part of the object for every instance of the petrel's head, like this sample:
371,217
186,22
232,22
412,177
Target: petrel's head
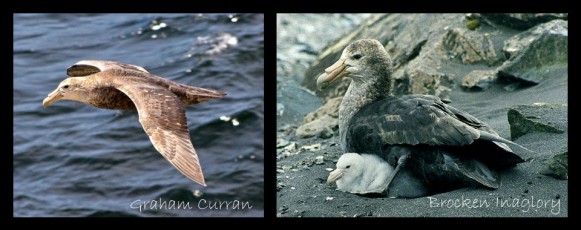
69,89
360,173
360,60
348,169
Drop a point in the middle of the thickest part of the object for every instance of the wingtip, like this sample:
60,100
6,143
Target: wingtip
222,94
201,182
522,148
495,138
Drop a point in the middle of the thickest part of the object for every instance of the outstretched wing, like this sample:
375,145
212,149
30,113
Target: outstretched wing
163,117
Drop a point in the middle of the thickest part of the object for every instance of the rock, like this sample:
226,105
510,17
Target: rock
370,213
473,24
297,48
473,21
537,53
281,143
470,46
519,42
307,162
421,47
291,147
539,117
279,109
293,103
479,79
289,150
425,75
411,38
280,186
330,108
558,166
421,78
283,209
286,129
322,127
312,148
319,160
522,21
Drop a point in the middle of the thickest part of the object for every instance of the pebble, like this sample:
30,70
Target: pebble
281,143
291,147
319,160
312,148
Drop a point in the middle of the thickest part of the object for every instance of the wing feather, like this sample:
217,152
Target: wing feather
414,119
89,67
419,119
162,115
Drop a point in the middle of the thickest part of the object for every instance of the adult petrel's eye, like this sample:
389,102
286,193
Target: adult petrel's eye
357,56
65,86
348,166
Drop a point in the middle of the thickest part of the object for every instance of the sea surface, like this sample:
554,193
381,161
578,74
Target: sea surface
72,159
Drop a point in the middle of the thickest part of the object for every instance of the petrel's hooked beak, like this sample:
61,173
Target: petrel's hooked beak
332,74
52,98
335,175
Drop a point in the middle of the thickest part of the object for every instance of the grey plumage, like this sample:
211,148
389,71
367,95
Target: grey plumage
444,146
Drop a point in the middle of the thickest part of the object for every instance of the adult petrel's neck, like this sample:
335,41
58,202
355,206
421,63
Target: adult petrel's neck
361,92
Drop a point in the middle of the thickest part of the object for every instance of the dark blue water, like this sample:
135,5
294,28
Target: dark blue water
72,159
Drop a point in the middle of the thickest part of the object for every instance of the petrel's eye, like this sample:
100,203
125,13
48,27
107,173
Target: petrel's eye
348,166
65,86
357,56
